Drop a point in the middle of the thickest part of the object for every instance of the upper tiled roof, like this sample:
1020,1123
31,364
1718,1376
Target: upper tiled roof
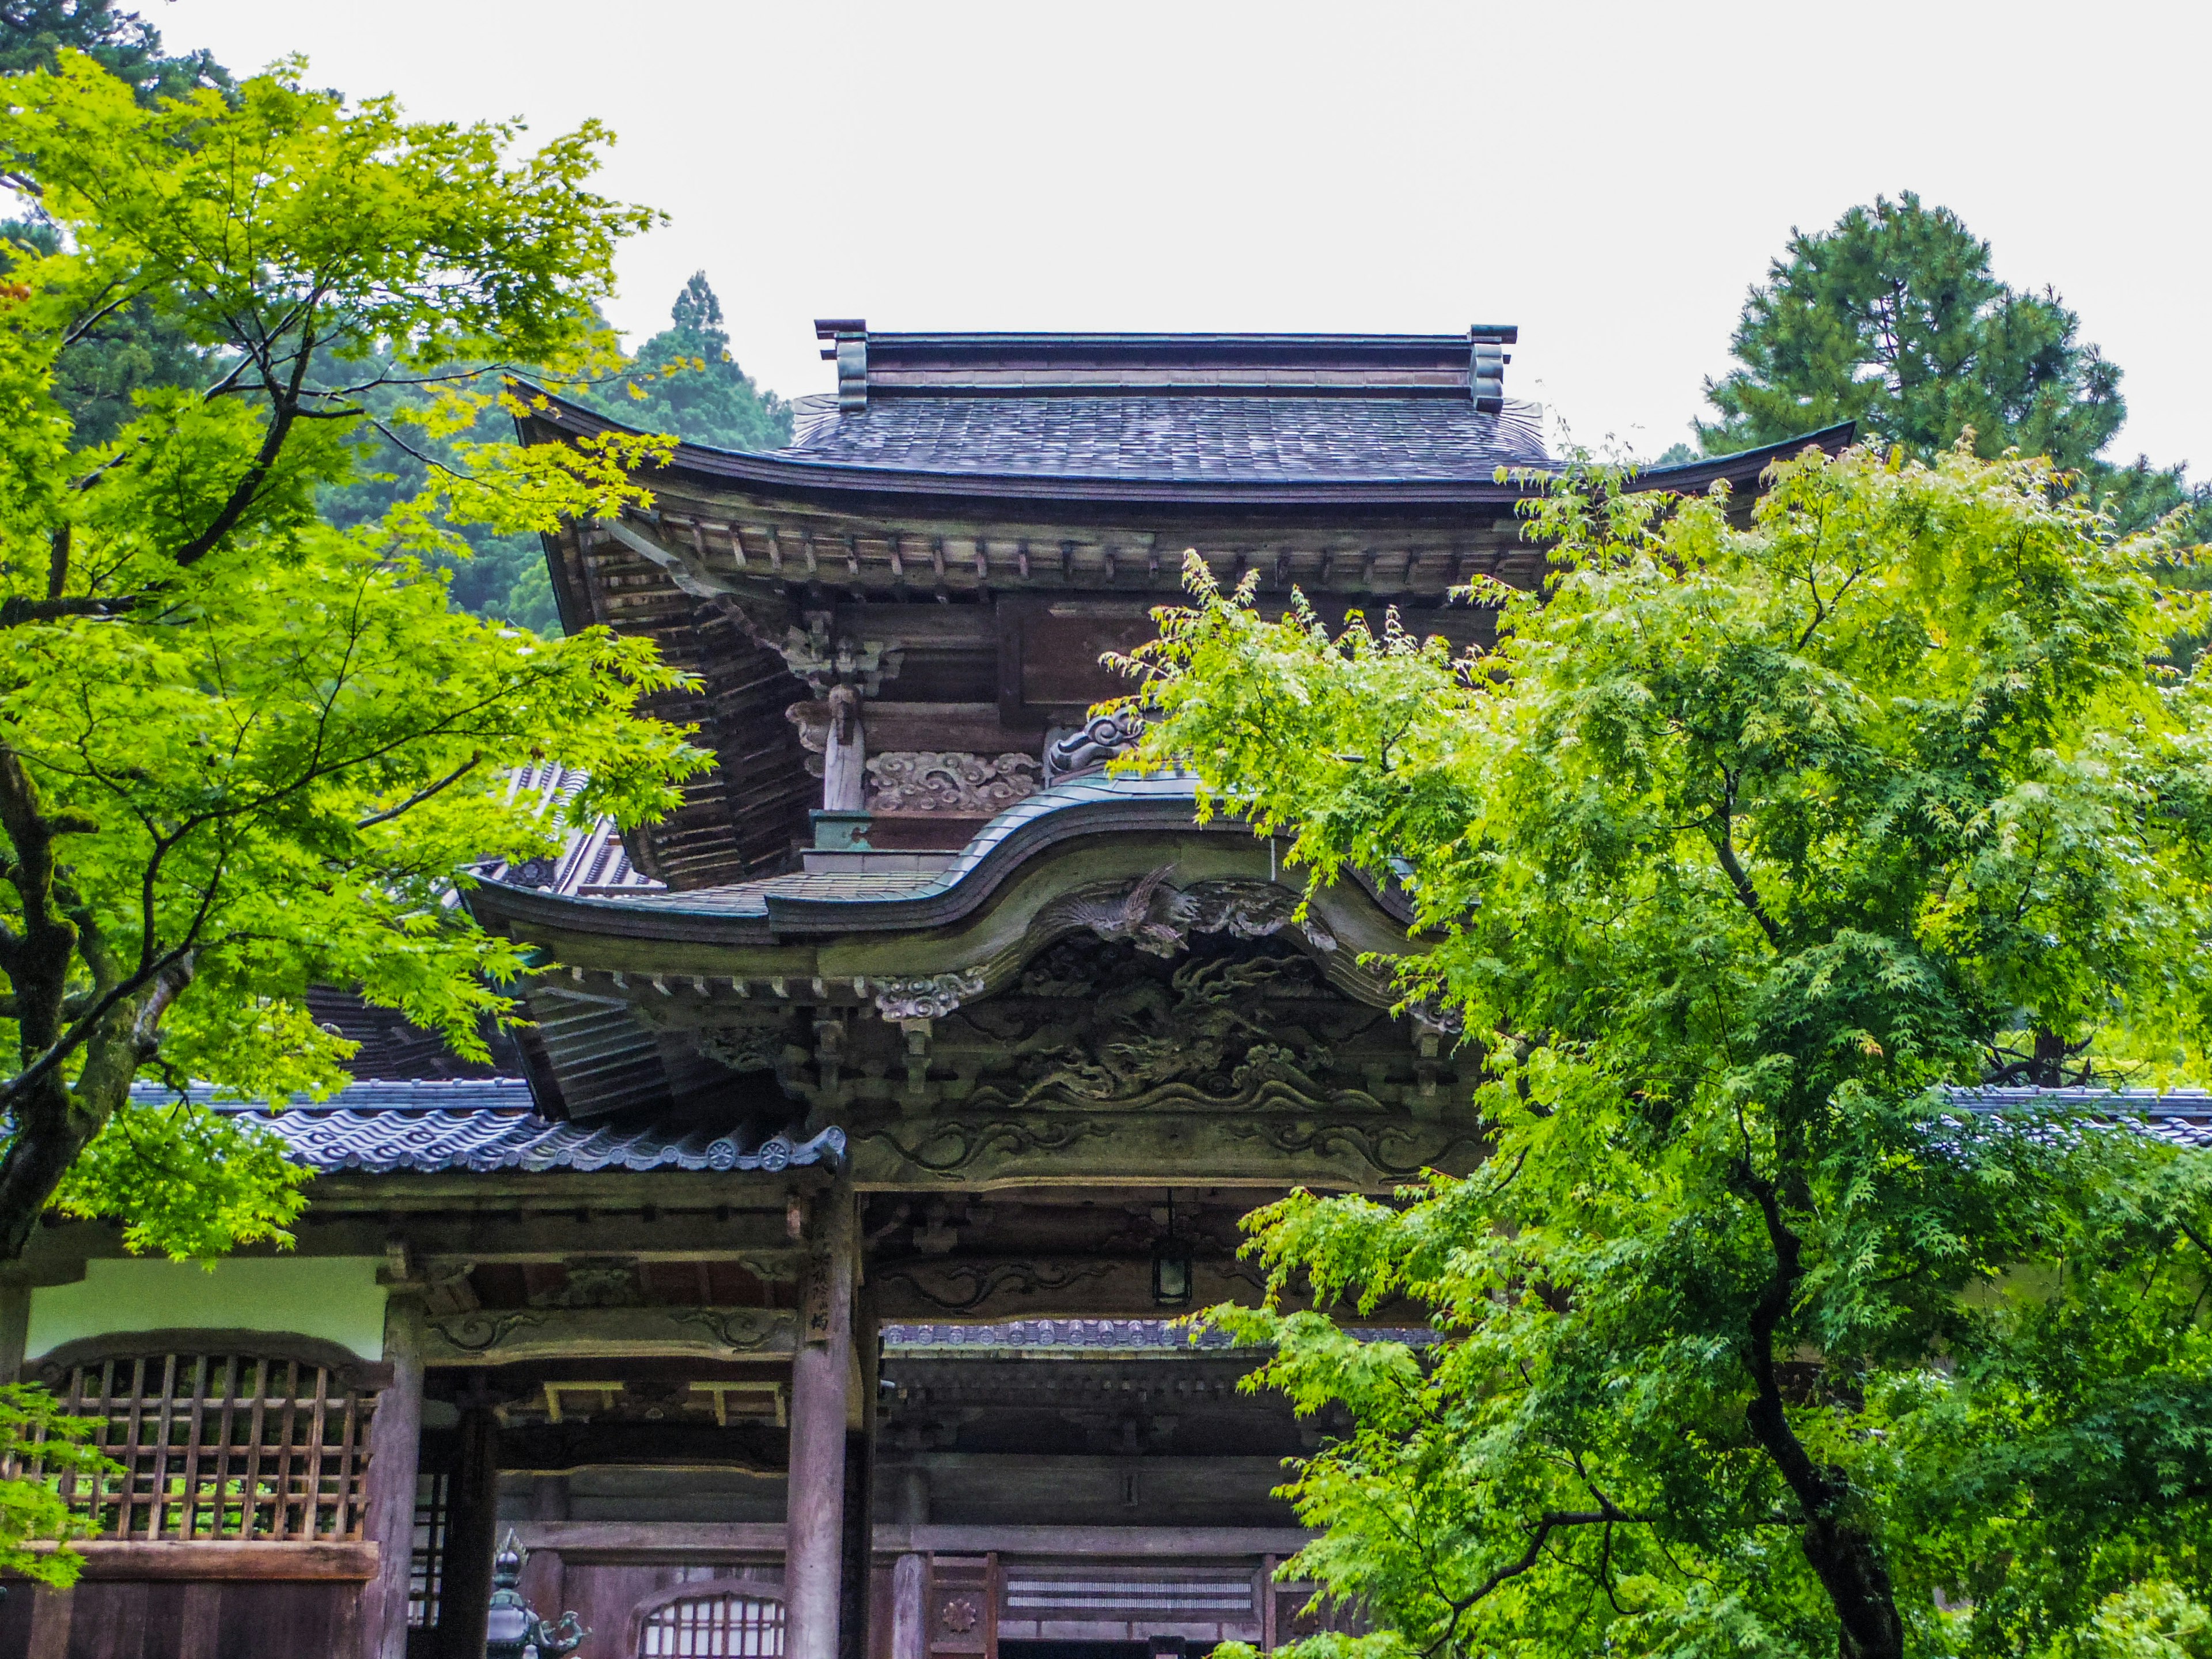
487,1124
2183,1116
1176,439
1084,1336
592,860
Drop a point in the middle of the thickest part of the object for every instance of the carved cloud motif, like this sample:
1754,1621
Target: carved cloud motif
951,781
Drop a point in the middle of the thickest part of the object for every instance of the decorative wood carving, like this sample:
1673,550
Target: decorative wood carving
485,1337
963,1286
1092,744
931,996
823,662
945,1149
1159,919
1215,1035
595,1282
744,1047
950,780
1401,1151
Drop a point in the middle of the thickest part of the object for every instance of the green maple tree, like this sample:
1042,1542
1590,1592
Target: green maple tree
242,751
1749,841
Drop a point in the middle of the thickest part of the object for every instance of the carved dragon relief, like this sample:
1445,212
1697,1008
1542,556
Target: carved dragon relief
1222,1031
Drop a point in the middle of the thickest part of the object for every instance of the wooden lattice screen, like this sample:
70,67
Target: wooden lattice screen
727,1626
221,1446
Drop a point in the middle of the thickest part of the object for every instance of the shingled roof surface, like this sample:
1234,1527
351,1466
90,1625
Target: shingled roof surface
489,1124
1176,439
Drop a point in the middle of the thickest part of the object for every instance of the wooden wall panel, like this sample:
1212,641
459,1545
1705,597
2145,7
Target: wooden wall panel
138,1619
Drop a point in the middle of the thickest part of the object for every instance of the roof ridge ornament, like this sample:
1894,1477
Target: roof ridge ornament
848,350
1485,366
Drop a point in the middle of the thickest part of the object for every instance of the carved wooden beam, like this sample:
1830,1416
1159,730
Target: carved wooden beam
1369,1154
494,1336
564,1448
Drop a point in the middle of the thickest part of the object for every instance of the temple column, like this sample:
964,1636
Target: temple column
909,1608
472,1515
545,1577
821,1374
395,1449
859,1528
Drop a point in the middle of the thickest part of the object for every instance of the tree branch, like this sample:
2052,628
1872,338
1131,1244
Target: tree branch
420,795
1722,833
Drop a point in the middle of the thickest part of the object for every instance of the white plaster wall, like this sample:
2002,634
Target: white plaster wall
335,1297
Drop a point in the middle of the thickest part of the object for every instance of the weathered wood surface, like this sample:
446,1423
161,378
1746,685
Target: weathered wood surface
821,1378
484,1336
741,1541
394,1452
150,1619
111,1559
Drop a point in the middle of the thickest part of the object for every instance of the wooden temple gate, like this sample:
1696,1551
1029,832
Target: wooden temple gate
796,1283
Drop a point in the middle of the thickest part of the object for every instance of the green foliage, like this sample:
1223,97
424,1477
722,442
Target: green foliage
1742,845
35,33
494,573
244,751
1892,319
36,1431
683,380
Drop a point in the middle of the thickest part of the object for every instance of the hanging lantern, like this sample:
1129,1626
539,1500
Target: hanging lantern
1171,1267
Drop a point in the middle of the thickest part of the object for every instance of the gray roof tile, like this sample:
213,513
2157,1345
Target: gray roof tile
2183,1116
1277,438
488,1124
1084,1336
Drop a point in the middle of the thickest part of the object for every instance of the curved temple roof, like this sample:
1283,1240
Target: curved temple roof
1192,419
486,1124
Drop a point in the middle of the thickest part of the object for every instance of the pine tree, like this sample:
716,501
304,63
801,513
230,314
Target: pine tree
126,45
1892,319
692,388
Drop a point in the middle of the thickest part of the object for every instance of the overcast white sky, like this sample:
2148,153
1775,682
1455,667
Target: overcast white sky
1610,176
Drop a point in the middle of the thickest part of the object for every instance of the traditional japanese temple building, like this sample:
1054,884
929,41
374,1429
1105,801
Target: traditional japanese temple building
798,1280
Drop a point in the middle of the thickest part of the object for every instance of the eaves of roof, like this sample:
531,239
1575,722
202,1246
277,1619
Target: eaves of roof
871,488
800,904
486,1125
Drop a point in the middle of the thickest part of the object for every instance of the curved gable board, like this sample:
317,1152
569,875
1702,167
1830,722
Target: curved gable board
336,1299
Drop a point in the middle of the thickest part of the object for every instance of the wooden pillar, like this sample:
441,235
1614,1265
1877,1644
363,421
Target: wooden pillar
471,1515
845,754
395,1449
544,1577
910,1607
859,1530
821,1372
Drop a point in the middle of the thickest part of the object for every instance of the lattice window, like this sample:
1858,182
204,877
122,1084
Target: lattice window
715,1628
425,1562
223,1445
